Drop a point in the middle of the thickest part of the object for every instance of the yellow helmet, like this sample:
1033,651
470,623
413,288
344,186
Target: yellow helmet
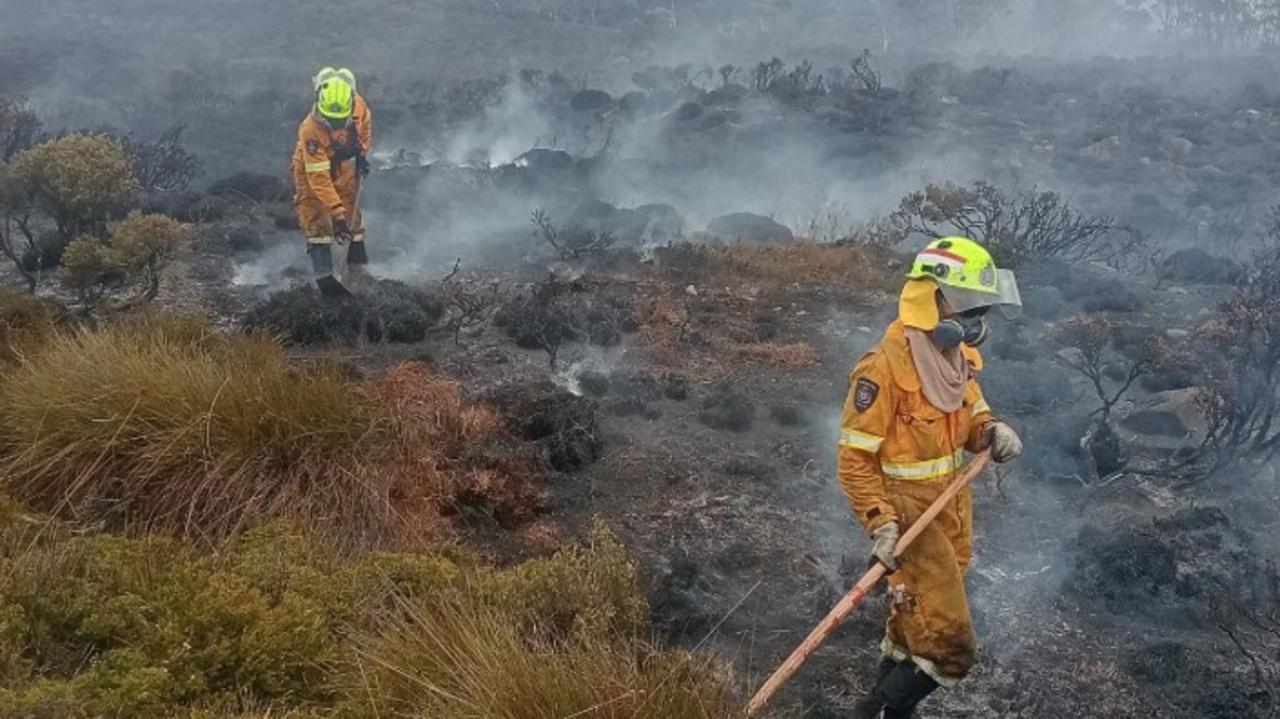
335,99
967,276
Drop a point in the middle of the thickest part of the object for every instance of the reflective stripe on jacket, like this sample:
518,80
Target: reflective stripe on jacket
316,172
890,431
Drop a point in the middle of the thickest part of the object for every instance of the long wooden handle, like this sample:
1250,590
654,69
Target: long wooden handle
850,601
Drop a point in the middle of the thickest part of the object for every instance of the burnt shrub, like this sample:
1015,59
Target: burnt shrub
190,207
258,187
594,384
789,415
389,312
726,409
562,423
244,239
1101,295
1124,568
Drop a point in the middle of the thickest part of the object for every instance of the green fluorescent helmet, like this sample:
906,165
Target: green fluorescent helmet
967,276
335,99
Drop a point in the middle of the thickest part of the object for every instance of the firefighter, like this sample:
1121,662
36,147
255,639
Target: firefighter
914,408
330,162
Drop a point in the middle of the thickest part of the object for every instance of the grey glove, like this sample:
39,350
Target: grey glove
1004,442
885,539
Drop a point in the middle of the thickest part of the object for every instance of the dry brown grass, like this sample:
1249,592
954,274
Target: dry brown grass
850,270
792,355
166,424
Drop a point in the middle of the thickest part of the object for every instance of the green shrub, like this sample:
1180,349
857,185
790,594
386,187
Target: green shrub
141,246
136,253
583,592
78,181
280,624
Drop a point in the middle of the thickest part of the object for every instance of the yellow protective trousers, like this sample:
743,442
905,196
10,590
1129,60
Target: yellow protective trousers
929,622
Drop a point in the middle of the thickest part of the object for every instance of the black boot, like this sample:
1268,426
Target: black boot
357,255
905,687
871,706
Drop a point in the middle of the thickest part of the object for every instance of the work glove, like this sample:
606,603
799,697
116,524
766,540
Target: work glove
342,230
363,168
1004,442
885,538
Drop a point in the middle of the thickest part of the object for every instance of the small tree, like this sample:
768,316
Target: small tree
571,243
162,165
18,128
1034,224
1090,340
1240,356
79,181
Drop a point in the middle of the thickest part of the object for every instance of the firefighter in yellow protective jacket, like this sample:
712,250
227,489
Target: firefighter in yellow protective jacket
329,164
914,409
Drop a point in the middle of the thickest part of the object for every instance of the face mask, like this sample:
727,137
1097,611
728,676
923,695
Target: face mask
971,330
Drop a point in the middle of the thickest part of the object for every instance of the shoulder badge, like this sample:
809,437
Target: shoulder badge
864,394
313,147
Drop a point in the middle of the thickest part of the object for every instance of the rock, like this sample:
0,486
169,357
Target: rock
645,225
1155,422
1103,150
1196,266
634,102
688,112
691,291
544,159
748,227
1177,148
590,101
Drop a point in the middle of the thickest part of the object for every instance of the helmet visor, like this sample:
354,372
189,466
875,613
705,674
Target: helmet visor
1005,297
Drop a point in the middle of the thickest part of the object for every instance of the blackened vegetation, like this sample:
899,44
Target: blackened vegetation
563,424
573,242
1240,352
1032,225
163,164
725,408
556,312
1190,569
389,312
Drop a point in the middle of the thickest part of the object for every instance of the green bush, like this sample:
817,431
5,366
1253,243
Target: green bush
279,624
78,181
583,592
136,253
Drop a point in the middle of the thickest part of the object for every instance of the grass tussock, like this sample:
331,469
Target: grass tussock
459,661
853,269
280,624
165,423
